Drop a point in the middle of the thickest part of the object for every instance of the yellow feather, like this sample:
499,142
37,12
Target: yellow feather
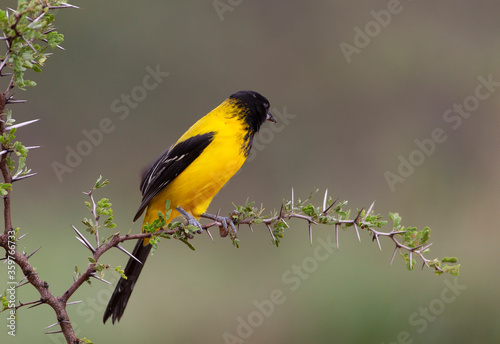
196,186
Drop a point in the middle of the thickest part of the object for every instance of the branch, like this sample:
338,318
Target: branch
23,29
46,297
115,240
27,32
408,241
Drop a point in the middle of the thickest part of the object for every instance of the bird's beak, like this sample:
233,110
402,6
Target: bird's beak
270,118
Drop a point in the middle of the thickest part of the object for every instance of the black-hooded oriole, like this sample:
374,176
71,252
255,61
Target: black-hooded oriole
191,173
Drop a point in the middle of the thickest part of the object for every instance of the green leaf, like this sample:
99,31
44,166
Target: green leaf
5,302
100,183
37,69
257,221
426,234
109,222
120,271
449,260
236,242
77,272
187,243
308,210
54,39
100,267
5,188
19,149
396,219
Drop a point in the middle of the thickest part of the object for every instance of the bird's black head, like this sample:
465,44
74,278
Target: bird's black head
254,111
257,107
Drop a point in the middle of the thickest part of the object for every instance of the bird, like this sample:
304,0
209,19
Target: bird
190,173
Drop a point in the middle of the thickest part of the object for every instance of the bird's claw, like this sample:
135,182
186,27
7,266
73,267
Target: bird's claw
191,221
224,221
195,223
223,230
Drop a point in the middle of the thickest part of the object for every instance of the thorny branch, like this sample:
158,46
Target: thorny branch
408,239
21,29
411,241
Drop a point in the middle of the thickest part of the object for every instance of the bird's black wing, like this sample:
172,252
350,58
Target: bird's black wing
169,165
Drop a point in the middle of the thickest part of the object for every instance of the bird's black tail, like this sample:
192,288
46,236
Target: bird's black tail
119,299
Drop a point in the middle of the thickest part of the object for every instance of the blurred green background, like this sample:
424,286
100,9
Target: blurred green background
352,122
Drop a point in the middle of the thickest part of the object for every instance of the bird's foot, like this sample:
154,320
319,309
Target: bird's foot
224,221
190,219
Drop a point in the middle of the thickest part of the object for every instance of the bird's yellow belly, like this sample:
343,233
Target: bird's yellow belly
196,186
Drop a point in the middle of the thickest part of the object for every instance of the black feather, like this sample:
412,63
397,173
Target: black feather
253,111
169,165
123,290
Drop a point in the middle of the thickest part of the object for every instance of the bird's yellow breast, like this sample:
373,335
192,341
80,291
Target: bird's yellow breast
195,187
